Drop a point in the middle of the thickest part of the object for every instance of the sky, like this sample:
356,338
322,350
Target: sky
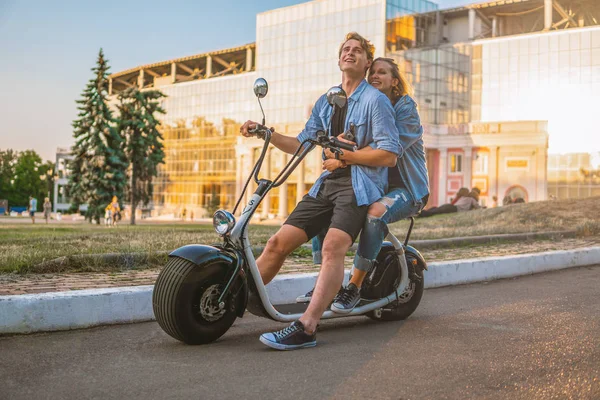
48,48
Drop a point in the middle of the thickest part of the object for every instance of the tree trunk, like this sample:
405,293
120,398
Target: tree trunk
133,195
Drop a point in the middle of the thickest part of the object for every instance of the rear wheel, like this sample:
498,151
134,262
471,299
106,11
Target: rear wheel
408,301
185,301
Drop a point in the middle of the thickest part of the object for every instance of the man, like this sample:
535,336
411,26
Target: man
337,200
32,208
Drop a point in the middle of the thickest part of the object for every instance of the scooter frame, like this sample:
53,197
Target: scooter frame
238,240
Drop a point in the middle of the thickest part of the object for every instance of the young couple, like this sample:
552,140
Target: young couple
382,182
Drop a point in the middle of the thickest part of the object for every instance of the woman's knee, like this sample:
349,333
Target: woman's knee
376,210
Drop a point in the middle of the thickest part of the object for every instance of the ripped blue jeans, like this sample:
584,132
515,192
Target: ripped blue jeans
399,204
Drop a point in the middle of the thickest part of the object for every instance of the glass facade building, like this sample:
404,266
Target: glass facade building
200,130
487,100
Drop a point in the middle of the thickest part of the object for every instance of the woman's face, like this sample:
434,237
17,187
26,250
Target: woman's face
380,77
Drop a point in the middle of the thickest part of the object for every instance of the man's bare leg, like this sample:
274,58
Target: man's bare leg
279,246
335,246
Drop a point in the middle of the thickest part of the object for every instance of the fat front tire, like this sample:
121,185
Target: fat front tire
407,303
185,302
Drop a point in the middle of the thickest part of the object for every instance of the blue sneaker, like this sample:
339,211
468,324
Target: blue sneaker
291,338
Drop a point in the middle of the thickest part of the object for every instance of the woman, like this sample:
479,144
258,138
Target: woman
446,208
469,202
408,182
47,209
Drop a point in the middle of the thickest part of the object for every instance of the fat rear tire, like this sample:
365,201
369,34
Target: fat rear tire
400,310
179,290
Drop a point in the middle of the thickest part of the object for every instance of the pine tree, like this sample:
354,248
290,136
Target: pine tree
99,167
138,125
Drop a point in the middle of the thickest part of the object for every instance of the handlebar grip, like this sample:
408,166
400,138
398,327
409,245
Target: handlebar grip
342,145
258,128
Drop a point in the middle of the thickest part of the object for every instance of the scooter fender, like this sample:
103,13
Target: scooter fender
417,255
204,255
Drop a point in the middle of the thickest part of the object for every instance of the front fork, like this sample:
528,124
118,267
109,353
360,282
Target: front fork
237,282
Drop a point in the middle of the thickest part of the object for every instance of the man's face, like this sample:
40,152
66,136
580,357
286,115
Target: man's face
353,58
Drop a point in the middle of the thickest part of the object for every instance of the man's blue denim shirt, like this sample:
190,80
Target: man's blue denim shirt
372,114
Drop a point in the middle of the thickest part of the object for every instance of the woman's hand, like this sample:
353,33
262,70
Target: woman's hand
332,164
330,154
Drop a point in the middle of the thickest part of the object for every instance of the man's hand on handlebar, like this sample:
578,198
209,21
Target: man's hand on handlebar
247,127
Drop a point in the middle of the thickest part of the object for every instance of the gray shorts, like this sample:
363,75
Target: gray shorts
334,207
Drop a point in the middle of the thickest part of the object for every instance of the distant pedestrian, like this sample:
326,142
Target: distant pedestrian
32,208
494,201
113,211
47,209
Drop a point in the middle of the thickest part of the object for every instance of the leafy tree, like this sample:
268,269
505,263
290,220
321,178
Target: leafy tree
98,170
8,160
143,146
27,181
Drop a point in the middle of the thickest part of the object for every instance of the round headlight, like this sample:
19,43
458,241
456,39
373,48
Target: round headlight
223,221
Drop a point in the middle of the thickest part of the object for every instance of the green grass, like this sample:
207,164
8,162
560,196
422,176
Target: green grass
28,248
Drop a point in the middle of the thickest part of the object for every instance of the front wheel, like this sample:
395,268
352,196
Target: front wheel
185,301
408,301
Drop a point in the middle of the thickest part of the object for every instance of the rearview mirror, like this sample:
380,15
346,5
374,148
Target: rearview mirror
336,96
261,88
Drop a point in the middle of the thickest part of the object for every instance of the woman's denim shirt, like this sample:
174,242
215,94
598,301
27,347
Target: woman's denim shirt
412,163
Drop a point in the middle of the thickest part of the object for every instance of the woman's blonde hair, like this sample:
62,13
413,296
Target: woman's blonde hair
403,87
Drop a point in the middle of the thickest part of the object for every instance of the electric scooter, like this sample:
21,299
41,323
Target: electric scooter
204,288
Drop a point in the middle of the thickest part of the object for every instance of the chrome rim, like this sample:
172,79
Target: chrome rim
408,293
209,306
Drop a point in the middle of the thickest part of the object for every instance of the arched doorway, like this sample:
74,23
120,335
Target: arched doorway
516,194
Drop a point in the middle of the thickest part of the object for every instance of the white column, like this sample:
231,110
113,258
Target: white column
494,26
173,72
110,86
266,203
443,177
141,79
248,59
547,15
439,26
542,174
493,173
208,66
283,200
471,23
468,167
301,187
283,195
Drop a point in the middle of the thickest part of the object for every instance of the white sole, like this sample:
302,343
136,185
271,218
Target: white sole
279,346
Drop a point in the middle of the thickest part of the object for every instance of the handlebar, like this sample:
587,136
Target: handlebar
332,143
260,131
342,145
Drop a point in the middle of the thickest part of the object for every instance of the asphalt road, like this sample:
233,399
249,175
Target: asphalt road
535,337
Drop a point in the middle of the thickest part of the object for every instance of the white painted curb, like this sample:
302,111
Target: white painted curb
86,308
75,309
